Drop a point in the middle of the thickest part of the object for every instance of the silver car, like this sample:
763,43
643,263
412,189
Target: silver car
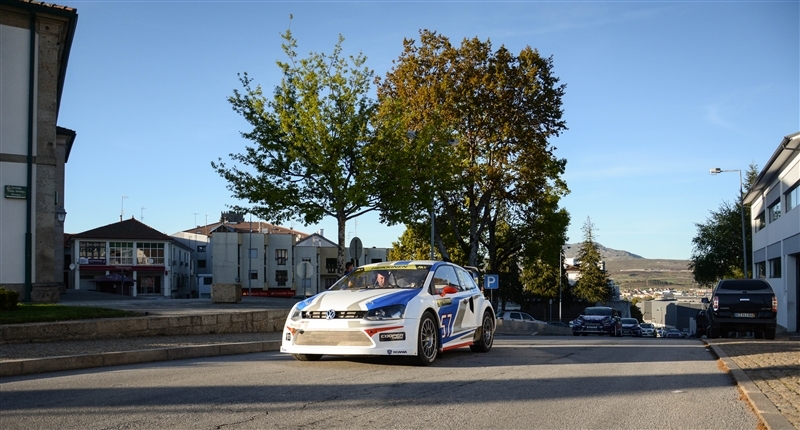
648,330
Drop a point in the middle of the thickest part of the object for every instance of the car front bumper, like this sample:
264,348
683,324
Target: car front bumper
350,337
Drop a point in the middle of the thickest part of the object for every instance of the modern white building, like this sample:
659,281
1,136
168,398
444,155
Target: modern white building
774,202
269,260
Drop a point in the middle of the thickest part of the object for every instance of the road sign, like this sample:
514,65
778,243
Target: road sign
305,270
356,249
491,282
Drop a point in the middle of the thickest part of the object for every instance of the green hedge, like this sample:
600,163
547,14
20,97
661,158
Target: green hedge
8,299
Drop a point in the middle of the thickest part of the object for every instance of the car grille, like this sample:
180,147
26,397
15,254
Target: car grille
332,338
346,315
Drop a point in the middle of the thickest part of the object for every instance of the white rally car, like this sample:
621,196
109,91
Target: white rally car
403,308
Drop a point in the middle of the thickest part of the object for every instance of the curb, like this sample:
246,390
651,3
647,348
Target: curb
75,362
767,412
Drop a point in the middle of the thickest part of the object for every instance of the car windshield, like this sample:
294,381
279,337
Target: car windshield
598,311
647,325
630,321
383,277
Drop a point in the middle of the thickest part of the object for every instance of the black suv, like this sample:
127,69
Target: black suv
742,305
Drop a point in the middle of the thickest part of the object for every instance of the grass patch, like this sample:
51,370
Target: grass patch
44,312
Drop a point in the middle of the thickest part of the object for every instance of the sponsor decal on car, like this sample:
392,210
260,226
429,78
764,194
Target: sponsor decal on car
388,337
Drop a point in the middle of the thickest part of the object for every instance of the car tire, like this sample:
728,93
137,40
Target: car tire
427,340
575,333
307,357
485,333
769,333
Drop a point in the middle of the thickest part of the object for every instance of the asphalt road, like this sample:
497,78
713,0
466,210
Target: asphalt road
524,382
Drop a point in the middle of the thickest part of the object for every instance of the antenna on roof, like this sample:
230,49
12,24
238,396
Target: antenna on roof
122,208
141,214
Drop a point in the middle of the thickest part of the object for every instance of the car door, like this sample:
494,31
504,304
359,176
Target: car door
456,306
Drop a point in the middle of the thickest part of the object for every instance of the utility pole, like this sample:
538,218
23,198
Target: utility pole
122,208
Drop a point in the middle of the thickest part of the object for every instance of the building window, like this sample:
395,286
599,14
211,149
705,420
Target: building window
201,248
253,253
281,277
92,253
254,274
792,197
330,264
120,253
201,264
761,270
329,282
150,253
281,255
775,268
774,210
759,221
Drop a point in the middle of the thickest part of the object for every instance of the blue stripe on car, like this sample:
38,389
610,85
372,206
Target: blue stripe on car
398,298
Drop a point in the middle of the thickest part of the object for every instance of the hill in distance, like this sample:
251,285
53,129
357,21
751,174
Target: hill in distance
632,271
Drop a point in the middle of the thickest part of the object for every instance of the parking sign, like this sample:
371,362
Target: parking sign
491,282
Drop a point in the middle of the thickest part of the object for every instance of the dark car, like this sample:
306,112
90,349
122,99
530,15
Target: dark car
742,305
673,333
630,327
597,320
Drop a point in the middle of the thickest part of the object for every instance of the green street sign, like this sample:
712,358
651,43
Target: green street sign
16,192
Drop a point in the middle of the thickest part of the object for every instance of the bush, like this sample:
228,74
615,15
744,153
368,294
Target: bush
8,299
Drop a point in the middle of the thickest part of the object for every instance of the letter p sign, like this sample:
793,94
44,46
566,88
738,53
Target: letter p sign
491,282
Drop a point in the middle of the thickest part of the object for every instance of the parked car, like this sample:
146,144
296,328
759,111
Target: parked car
742,305
630,327
407,308
597,320
516,316
648,330
673,333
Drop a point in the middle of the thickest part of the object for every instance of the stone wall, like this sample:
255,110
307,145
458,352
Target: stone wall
270,320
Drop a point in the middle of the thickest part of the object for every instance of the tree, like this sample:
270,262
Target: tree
635,311
717,247
479,155
307,155
592,285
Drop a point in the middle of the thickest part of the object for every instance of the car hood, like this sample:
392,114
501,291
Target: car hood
356,300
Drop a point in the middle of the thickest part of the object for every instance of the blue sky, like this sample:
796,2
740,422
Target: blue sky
656,94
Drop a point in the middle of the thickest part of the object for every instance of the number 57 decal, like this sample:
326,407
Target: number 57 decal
447,325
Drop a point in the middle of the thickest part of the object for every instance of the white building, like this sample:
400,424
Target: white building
35,41
774,202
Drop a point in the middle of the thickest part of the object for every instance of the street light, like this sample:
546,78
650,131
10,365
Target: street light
717,170
560,267
61,215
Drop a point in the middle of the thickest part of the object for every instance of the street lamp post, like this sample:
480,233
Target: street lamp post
560,268
717,170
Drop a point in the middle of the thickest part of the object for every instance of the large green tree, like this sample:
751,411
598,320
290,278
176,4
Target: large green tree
717,251
307,156
479,156
593,283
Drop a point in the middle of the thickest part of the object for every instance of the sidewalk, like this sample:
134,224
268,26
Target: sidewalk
767,372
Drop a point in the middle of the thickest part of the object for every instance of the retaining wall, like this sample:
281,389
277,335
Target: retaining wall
270,320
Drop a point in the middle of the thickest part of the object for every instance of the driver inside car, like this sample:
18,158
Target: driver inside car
382,278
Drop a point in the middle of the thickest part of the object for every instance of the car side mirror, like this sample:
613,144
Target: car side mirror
449,290
704,300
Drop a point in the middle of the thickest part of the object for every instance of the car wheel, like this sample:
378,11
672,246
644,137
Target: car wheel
770,334
486,335
307,357
575,334
427,340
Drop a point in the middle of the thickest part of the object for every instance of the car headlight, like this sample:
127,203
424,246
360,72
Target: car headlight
295,314
386,313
